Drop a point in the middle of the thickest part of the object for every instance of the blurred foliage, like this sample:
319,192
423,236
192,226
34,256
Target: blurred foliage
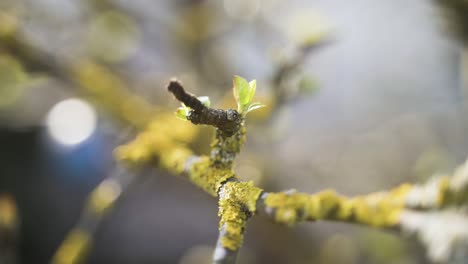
432,161
113,36
8,23
337,249
12,80
383,247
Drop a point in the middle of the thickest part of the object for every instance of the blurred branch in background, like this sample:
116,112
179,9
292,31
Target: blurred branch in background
79,241
455,13
106,89
290,67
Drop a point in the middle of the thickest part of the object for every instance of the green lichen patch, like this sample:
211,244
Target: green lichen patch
236,204
224,149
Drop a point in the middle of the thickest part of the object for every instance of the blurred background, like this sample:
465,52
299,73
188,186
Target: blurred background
363,95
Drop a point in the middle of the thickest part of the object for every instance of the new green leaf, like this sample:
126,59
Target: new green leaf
253,88
182,112
241,91
244,93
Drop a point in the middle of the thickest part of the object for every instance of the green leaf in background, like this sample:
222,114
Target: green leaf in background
205,100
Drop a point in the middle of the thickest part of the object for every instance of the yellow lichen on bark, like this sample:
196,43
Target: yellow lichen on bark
236,204
73,249
380,209
208,177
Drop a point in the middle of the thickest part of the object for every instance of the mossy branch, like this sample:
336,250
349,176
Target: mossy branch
240,200
380,209
164,140
386,209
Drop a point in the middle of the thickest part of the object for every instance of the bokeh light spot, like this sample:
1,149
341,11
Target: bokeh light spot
71,121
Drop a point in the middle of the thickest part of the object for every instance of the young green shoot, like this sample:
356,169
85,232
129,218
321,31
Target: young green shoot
243,93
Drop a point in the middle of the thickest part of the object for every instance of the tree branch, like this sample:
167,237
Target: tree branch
228,121
223,255
380,209
238,201
386,209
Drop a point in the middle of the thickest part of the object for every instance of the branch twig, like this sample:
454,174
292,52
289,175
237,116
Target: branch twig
228,121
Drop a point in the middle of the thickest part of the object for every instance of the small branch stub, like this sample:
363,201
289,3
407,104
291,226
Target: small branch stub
228,121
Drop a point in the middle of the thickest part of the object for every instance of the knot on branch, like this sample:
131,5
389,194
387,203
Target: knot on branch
228,121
